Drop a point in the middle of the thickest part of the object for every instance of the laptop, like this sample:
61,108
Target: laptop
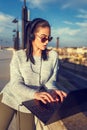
75,102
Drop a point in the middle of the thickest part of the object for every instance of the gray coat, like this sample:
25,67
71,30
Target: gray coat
26,78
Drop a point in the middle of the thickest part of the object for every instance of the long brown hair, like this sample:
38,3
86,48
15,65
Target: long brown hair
31,28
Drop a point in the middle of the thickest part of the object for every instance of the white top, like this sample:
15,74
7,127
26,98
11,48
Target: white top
26,78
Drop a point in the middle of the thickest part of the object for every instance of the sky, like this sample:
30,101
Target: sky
68,20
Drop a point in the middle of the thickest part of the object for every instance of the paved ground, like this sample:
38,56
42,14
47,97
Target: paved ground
5,57
75,122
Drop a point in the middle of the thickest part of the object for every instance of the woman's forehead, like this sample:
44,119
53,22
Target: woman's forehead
43,30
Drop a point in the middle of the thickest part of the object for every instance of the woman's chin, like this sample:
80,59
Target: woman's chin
44,47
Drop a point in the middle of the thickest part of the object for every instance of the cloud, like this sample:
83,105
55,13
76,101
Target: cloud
69,36
82,24
82,14
1,29
67,31
83,11
66,5
73,4
68,22
5,21
41,4
6,27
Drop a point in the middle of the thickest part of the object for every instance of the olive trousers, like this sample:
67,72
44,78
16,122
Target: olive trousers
25,121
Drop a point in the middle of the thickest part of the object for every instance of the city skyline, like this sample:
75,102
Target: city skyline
68,20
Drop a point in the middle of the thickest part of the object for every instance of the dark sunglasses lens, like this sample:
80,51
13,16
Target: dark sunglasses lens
45,39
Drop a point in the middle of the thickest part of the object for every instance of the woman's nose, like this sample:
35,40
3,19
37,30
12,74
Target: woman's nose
46,42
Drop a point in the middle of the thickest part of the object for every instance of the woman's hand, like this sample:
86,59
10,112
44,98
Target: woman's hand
44,97
58,95
53,96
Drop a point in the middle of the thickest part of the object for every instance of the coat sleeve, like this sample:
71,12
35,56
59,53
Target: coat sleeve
18,87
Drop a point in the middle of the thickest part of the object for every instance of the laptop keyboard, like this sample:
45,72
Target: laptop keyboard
42,110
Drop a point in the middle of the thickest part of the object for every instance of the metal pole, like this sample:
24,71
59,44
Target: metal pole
24,22
16,43
57,44
24,2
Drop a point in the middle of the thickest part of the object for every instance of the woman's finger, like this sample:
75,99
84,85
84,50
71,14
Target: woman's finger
60,95
44,97
64,94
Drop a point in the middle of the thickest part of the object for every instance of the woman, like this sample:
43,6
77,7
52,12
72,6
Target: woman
29,70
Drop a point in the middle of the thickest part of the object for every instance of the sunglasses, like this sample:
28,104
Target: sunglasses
44,39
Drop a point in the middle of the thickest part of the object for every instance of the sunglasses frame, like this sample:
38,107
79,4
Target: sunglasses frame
44,39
